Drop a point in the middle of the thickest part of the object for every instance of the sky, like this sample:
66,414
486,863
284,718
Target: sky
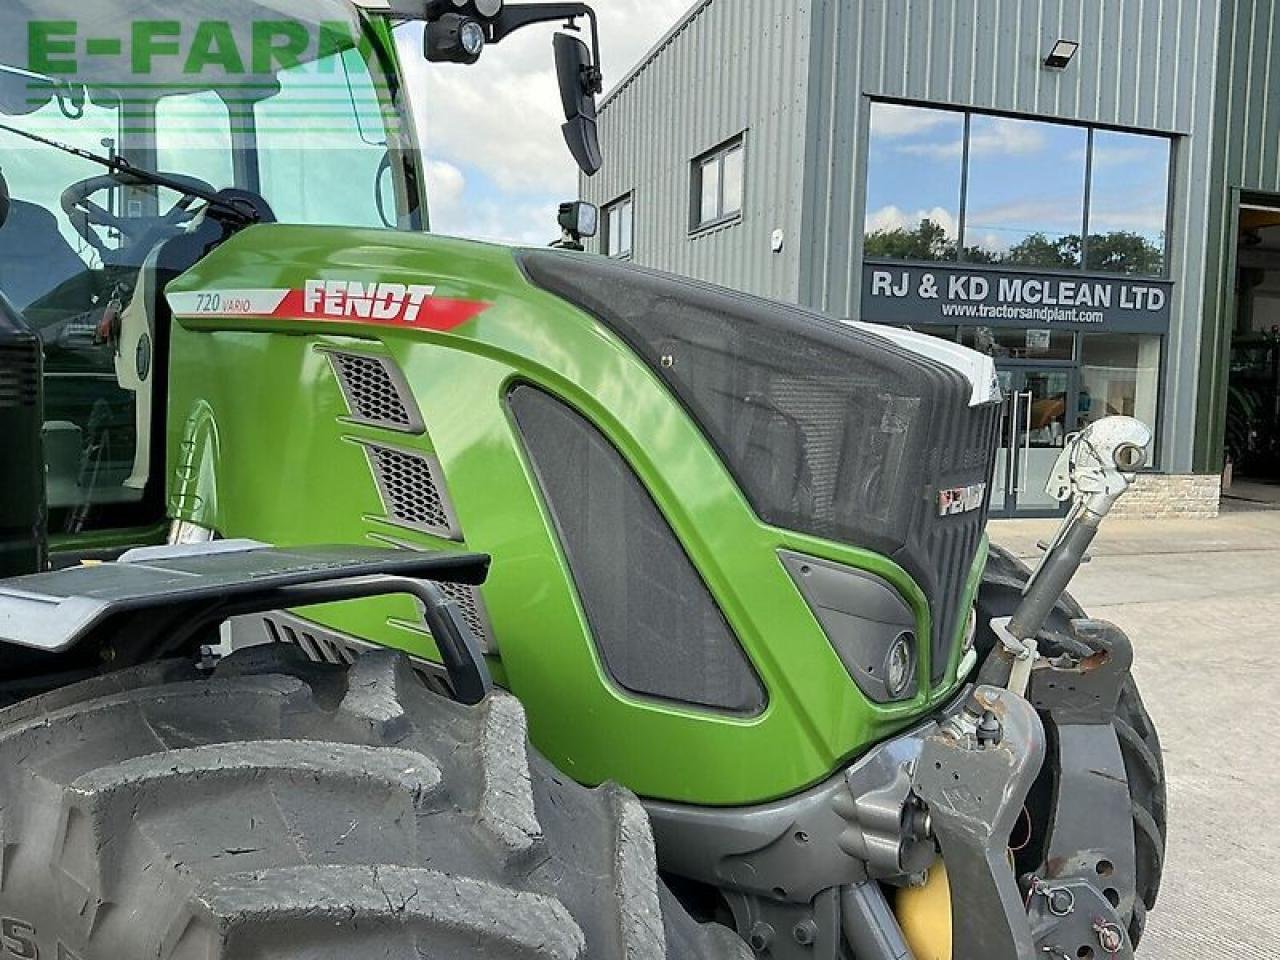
1024,177
497,163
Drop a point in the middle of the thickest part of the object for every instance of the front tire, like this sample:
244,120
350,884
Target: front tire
280,810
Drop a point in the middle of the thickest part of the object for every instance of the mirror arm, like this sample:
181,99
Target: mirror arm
516,16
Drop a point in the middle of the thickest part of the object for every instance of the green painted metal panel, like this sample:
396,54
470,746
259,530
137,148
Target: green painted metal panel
261,445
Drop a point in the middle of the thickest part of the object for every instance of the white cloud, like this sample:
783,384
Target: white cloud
940,149
501,117
1048,216
1003,136
893,218
893,120
445,186
1139,218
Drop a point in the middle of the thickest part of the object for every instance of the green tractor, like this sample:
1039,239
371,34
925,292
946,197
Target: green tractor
379,594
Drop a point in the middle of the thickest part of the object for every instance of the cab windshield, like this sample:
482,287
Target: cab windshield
293,101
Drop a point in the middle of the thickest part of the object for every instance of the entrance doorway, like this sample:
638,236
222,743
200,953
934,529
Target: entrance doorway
1040,408
1253,391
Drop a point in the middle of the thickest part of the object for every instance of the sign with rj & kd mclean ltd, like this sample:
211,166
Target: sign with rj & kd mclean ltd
983,296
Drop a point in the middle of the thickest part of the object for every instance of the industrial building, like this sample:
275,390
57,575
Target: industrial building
1087,190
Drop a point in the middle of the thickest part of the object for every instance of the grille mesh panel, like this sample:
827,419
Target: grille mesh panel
828,429
375,392
472,609
655,623
411,490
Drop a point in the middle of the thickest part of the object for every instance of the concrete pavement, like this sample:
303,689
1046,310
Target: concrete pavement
1201,601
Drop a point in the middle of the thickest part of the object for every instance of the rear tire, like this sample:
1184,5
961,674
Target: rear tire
280,810
998,596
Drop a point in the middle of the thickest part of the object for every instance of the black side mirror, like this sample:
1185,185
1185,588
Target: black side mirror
4,200
579,83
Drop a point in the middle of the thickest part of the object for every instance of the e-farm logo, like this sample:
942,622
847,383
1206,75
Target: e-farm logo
146,48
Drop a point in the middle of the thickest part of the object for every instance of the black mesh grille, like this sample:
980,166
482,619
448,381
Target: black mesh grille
411,490
375,392
19,375
827,428
471,607
658,630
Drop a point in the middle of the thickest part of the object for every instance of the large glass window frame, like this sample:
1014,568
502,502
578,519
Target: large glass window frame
961,251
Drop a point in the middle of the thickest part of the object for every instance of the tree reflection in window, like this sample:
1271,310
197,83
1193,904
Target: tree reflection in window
1024,198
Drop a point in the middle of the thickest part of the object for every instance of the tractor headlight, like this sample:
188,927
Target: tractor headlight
471,36
454,38
900,664
867,621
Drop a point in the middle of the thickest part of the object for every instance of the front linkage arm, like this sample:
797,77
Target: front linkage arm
975,772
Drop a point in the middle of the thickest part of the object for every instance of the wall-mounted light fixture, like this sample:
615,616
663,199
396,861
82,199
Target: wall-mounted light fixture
1061,54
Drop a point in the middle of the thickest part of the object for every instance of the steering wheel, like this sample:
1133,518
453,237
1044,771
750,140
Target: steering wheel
85,215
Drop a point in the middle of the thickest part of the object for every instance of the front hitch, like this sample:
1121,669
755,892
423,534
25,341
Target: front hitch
975,772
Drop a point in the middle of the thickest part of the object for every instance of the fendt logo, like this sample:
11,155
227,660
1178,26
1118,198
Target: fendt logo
358,301
959,500
342,301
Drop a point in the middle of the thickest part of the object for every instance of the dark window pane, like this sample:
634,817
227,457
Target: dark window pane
1128,203
913,182
943,333
1026,192
1020,344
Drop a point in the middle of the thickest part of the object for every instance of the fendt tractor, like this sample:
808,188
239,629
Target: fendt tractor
374,594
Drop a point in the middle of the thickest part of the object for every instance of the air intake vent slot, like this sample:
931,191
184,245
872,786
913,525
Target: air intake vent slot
376,392
413,491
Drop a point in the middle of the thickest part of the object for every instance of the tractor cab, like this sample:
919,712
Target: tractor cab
296,108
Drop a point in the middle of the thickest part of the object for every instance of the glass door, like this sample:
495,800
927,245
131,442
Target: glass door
1039,411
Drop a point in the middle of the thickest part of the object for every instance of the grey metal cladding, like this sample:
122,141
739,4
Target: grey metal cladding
376,391
861,614
413,491
728,68
1143,65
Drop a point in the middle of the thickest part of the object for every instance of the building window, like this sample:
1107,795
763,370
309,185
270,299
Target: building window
718,185
1025,200
1014,343
619,222
915,163
951,185
1128,203
1119,374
